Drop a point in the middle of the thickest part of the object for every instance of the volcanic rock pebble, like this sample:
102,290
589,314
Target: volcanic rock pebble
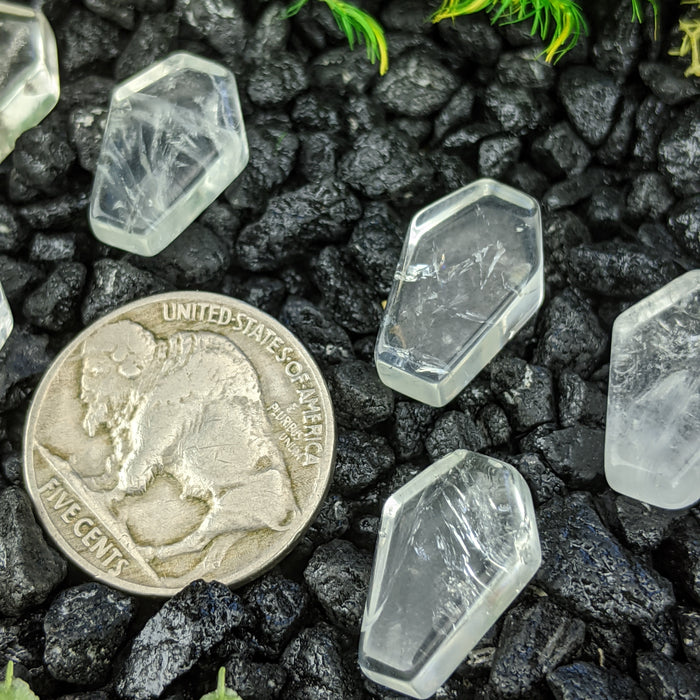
453,430
534,640
361,460
31,569
578,554
85,626
55,304
201,614
664,679
585,680
360,400
338,575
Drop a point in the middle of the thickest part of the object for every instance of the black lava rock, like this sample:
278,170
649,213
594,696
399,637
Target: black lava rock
619,269
272,147
55,304
679,152
497,155
317,213
649,197
684,224
278,606
525,391
643,526
590,99
350,300
679,557
559,151
18,277
665,679
317,158
359,398
668,83
412,421
196,258
472,38
85,39
269,35
689,628
585,680
277,81
385,164
580,401
43,156
153,40
316,667
453,430
562,231
254,679
456,111
543,482
525,67
416,86
220,22
12,235
338,574
361,460
578,553
328,342
85,626
31,568
86,126
525,652
116,282
202,614
571,336
617,49
575,454
23,359
652,119
519,110
375,245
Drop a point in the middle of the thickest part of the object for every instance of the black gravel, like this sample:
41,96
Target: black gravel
340,160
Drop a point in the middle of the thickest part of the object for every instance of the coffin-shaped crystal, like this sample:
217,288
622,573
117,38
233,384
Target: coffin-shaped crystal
28,72
470,276
174,140
456,545
6,321
653,423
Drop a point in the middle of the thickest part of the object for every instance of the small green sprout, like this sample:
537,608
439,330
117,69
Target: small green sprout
14,688
221,692
690,27
637,13
358,26
562,18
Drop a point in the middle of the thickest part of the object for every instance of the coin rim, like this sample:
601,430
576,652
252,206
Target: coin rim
41,389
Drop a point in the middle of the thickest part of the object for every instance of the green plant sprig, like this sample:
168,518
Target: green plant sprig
358,26
562,19
638,15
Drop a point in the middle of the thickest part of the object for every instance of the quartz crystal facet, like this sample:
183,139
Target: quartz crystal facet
470,276
456,545
6,321
174,141
28,72
652,451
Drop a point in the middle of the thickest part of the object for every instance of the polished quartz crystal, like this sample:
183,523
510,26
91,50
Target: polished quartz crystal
174,140
456,545
652,448
6,321
470,276
28,72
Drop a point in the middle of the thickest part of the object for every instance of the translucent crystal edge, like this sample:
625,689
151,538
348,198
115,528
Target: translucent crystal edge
7,321
462,640
49,52
668,295
487,345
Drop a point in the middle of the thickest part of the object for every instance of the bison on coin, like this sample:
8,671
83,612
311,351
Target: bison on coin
189,406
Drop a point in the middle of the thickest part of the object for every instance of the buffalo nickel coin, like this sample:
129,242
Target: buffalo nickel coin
187,435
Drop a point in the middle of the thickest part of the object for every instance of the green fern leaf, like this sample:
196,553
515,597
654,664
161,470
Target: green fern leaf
560,22
637,13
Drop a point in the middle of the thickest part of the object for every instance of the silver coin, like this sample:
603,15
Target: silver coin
187,435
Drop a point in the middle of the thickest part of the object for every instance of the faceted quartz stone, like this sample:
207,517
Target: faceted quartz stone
652,451
28,72
470,276
456,545
174,140
6,321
